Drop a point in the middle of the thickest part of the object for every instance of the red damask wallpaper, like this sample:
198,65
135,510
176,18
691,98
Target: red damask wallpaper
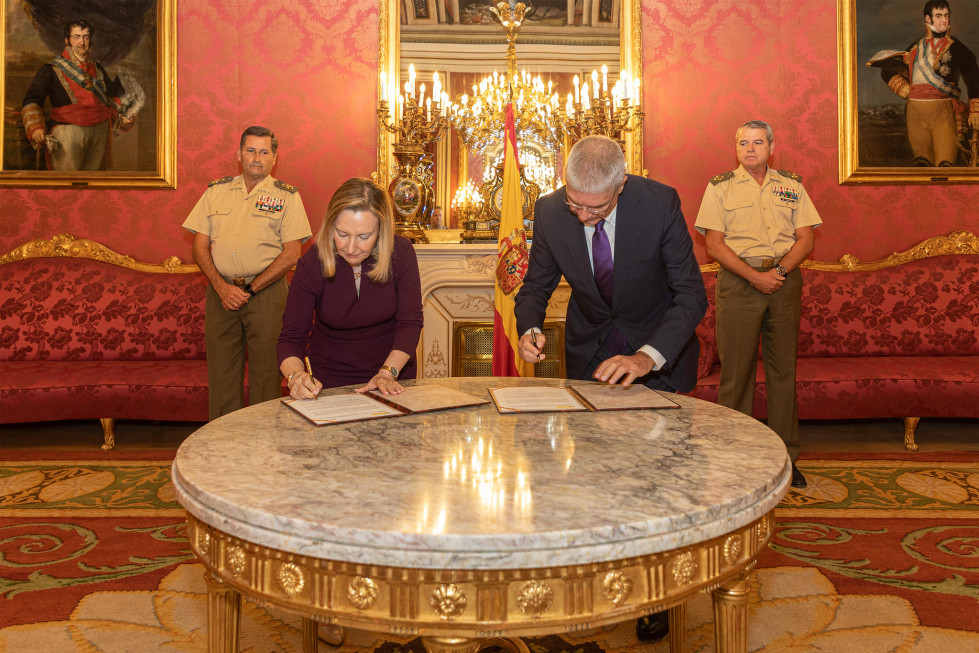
306,68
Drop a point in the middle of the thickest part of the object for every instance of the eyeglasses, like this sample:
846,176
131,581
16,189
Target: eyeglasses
252,150
574,208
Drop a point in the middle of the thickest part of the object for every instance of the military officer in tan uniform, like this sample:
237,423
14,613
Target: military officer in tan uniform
759,224
248,232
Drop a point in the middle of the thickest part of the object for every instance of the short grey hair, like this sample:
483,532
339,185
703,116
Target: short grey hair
595,165
756,124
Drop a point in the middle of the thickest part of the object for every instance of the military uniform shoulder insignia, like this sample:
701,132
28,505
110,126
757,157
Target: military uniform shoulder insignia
284,186
724,177
791,175
222,180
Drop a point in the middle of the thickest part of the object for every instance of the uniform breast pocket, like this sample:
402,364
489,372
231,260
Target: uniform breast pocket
265,225
218,219
784,209
740,215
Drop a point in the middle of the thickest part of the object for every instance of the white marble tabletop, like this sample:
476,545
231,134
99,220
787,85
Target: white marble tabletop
470,488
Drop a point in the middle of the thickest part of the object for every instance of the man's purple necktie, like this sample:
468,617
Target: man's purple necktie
601,252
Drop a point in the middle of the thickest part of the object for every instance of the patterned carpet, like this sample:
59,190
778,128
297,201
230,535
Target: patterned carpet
880,553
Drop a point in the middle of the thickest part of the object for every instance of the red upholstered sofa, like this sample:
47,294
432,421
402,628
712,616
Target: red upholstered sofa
88,333
892,338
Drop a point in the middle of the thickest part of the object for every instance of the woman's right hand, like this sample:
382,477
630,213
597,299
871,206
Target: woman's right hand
304,386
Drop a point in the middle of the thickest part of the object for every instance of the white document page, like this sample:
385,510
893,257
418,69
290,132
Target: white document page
336,409
539,399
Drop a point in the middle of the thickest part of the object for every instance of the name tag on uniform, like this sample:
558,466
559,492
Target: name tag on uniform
783,193
269,203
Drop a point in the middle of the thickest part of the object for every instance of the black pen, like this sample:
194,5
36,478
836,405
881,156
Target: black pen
533,339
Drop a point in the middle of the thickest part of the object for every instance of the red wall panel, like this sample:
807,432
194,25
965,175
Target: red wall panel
307,70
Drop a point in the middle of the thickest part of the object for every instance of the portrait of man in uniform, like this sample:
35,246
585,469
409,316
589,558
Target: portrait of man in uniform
81,87
916,100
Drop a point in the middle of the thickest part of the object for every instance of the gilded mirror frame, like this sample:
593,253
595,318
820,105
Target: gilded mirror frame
630,59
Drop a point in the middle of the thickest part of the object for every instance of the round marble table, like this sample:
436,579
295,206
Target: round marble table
466,526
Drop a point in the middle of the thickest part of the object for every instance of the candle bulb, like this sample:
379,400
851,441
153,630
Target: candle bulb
594,82
604,78
576,96
624,78
411,78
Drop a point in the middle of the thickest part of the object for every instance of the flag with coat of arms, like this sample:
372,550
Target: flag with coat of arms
511,263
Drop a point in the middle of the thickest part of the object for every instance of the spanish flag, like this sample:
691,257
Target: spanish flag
511,263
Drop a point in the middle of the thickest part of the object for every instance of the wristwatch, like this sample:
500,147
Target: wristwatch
781,270
392,370
248,289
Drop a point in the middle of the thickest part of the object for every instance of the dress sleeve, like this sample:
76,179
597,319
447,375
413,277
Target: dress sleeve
407,286
297,320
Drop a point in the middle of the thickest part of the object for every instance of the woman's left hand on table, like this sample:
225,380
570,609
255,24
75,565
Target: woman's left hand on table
383,382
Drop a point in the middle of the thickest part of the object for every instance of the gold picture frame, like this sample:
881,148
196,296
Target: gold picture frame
869,133
145,155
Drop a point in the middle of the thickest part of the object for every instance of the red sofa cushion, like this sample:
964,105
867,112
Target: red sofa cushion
36,391
868,387
68,309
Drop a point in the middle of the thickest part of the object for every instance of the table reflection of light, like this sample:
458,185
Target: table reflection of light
491,476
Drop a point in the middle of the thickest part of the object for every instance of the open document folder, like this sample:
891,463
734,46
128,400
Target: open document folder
545,399
355,407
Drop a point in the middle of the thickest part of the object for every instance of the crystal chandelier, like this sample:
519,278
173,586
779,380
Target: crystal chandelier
479,119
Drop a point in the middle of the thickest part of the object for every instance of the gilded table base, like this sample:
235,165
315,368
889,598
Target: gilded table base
463,611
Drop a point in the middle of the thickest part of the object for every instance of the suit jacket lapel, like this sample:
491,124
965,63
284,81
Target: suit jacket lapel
628,231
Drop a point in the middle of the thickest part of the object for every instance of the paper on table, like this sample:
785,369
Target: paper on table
335,409
618,397
430,396
536,399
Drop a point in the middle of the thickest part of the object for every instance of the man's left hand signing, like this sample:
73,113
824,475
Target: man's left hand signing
627,368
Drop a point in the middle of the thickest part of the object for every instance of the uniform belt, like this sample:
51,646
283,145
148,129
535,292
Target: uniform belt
241,282
762,262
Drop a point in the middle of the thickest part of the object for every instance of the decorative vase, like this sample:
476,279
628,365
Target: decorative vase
411,194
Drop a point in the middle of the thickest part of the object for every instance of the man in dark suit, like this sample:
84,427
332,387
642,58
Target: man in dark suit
622,244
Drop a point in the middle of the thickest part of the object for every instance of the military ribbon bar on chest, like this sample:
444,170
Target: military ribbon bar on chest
269,203
784,193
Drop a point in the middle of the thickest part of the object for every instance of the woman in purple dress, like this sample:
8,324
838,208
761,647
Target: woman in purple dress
354,305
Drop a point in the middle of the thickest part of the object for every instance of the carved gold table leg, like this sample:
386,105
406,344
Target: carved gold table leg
108,432
223,615
731,615
678,628
910,424
310,631
450,645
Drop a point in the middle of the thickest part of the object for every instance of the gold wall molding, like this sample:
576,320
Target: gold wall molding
957,242
67,246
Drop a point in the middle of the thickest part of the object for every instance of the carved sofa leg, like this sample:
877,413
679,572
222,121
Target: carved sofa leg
910,424
108,432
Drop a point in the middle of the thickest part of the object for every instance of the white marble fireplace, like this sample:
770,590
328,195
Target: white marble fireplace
457,284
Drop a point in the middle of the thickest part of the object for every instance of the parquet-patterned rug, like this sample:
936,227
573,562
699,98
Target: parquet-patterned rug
880,553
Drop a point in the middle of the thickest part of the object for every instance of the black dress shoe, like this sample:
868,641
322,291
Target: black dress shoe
654,626
798,478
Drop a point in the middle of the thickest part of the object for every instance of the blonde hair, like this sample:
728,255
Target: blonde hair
359,194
